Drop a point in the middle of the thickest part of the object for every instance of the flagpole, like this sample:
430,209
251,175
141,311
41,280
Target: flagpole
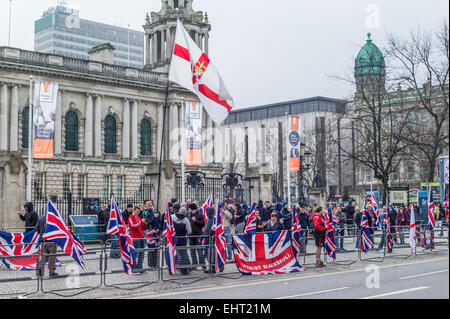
162,144
287,162
183,151
30,143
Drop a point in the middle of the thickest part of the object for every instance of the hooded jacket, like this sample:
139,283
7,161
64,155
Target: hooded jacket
30,218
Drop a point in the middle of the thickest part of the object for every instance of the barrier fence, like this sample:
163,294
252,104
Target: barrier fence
104,267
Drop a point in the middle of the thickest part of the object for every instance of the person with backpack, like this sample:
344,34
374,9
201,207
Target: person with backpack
182,230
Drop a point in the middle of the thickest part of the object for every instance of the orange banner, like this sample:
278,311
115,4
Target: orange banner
43,149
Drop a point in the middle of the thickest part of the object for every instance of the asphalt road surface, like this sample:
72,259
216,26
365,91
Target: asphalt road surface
420,279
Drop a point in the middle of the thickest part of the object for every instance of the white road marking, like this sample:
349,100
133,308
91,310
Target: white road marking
426,274
396,292
313,293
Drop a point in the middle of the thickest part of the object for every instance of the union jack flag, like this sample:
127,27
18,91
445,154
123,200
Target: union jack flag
431,221
366,237
171,241
58,232
263,254
330,239
387,225
202,211
220,241
250,226
116,225
297,233
446,208
373,203
24,246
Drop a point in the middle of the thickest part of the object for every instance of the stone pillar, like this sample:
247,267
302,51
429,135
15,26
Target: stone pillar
98,126
89,127
147,50
58,124
173,133
168,43
4,117
159,130
154,48
14,122
163,49
126,129
207,43
134,129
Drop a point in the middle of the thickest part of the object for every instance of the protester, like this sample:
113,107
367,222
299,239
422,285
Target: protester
263,212
418,221
340,229
286,215
274,224
304,222
357,219
239,218
319,234
127,213
182,229
393,219
48,250
269,208
349,211
30,217
402,223
154,226
137,227
209,234
197,221
227,218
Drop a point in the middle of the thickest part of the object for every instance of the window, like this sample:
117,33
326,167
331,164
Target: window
71,132
395,175
39,186
146,138
110,135
67,185
25,118
106,187
411,172
120,182
368,175
81,185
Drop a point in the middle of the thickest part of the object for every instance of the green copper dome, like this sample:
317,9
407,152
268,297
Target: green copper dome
370,60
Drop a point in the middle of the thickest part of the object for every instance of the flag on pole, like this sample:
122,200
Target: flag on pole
366,240
446,208
373,203
116,225
220,241
250,226
171,241
412,230
58,232
297,233
330,239
193,70
431,221
387,225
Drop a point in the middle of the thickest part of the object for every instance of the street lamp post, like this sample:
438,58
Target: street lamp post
305,165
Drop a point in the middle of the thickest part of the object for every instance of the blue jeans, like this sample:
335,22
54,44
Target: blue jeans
139,244
229,242
340,243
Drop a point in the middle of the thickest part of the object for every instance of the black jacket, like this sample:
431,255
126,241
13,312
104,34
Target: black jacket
30,218
198,224
263,213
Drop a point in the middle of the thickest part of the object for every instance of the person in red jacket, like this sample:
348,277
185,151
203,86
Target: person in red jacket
137,232
318,220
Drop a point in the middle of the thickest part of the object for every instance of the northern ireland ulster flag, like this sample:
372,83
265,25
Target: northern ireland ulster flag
193,70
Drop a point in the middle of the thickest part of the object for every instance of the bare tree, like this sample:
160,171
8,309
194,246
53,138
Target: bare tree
423,64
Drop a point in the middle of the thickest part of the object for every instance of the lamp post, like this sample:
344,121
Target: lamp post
305,165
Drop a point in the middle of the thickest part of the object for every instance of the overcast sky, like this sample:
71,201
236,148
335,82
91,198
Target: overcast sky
267,50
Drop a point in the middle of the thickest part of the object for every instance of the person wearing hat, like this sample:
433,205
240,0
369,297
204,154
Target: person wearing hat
197,221
182,229
286,215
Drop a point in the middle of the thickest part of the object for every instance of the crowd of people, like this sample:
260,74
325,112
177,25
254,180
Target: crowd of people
193,227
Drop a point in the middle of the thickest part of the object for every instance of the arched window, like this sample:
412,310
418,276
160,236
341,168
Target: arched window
71,133
146,138
110,135
25,117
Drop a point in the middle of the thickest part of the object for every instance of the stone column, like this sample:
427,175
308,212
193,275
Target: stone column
200,39
134,129
147,50
58,124
4,117
163,49
168,43
126,129
207,43
89,127
98,127
14,122
154,48
159,130
173,133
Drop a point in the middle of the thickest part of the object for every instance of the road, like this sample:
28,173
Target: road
422,279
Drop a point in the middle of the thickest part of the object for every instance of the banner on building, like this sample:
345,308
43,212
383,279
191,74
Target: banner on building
265,253
193,130
444,169
44,114
294,143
